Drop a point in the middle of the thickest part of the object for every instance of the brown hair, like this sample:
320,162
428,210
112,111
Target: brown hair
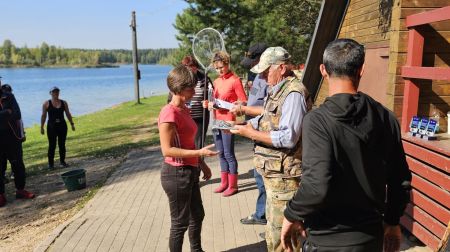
189,61
180,78
221,56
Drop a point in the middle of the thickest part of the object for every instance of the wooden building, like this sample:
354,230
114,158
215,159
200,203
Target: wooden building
407,69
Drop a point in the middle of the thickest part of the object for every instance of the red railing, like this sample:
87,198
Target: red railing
413,68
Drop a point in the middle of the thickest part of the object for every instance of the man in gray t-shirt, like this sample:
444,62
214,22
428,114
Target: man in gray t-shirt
256,96
257,93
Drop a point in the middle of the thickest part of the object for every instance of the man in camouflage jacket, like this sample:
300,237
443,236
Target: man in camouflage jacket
277,135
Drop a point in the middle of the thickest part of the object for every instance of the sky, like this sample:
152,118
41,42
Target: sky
89,24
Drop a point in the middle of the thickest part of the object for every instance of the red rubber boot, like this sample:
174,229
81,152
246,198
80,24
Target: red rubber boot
24,194
232,185
223,182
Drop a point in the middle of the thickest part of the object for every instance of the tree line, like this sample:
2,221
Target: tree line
49,55
288,23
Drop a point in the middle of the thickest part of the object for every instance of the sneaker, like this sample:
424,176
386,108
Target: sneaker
262,235
51,167
252,220
64,164
2,200
24,194
5,179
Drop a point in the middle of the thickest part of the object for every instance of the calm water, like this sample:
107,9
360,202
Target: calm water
85,89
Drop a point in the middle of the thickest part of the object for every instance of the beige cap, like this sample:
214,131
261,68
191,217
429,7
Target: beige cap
271,56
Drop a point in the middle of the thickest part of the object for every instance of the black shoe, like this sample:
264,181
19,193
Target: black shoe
252,220
5,180
51,167
262,235
64,164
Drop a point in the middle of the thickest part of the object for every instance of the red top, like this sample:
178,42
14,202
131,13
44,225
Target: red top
185,133
228,88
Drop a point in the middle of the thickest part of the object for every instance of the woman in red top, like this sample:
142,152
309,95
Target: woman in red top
181,167
227,87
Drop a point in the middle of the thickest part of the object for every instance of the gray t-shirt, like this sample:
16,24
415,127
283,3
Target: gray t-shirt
257,93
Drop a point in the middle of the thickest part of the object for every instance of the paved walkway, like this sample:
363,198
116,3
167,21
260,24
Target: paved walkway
130,212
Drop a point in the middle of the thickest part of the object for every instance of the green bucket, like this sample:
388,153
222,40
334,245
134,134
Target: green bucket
74,180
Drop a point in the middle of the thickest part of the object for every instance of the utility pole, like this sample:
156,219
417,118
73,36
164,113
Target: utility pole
137,73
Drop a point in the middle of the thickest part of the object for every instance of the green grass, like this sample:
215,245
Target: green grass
108,133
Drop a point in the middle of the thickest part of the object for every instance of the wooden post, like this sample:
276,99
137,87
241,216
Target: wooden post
411,92
137,74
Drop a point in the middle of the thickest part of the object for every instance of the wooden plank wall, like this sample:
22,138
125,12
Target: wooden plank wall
428,213
434,95
361,23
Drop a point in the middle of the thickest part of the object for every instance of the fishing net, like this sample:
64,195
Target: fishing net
207,42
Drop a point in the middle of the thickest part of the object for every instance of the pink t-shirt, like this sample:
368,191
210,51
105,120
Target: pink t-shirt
185,133
228,88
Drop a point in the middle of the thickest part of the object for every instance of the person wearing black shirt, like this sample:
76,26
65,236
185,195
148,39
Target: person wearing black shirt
11,145
355,182
56,126
19,131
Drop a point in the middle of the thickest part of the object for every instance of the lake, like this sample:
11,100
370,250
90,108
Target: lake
85,89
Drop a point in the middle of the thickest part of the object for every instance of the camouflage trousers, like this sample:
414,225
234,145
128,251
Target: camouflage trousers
279,191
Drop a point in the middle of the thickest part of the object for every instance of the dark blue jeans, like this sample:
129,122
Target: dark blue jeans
261,200
225,144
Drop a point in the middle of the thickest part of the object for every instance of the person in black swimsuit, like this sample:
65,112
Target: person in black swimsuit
56,126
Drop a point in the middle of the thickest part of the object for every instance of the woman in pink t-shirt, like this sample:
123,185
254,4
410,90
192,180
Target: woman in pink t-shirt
181,167
227,87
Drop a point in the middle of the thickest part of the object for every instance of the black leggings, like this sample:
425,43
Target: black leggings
4,161
11,149
56,131
3,164
185,203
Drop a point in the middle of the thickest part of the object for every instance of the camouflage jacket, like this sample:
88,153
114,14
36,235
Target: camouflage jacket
279,162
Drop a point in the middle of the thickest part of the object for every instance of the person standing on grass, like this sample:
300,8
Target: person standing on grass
182,161
11,145
19,131
56,126
355,182
227,87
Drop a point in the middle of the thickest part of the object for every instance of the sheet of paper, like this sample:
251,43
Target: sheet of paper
223,104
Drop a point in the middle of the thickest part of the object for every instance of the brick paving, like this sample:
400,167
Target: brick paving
130,212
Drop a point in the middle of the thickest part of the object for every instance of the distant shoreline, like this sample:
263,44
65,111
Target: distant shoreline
61,66
75,66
